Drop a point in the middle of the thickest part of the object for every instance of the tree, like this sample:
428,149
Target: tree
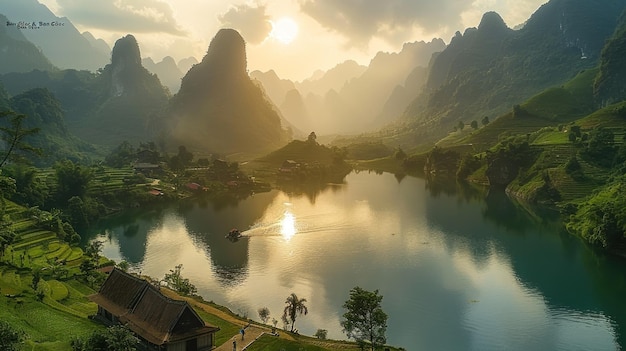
124,265
264,314
474,124
460,125
10,337
295,306
77,212
321,334
180,161
36,279
13,135
312,138
7,190
115,338
175,280
485,121
7,237
72,179
121,156
365,319
600,148
400,154
29,189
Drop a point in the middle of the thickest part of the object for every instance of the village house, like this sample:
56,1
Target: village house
289,166
160,323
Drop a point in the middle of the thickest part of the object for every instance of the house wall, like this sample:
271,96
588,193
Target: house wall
205,341
177,346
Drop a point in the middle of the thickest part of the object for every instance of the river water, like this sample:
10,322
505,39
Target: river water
459,269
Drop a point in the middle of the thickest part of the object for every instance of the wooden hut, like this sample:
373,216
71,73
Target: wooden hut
161,323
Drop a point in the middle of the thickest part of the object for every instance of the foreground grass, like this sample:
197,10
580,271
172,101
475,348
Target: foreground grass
227,329
47,328
271,343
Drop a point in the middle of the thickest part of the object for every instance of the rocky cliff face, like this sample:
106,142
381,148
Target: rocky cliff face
126,75
609,87
501,171
219,109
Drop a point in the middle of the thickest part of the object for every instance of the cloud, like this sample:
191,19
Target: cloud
131,16
362,20
252,22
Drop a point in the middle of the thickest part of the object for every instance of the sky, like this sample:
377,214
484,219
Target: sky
292,37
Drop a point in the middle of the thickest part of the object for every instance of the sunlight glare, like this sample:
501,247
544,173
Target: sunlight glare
285,30
288,226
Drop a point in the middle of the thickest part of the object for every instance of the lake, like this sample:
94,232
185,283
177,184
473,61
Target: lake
459,269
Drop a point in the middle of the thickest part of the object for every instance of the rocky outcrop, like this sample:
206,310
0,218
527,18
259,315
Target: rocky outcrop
501,171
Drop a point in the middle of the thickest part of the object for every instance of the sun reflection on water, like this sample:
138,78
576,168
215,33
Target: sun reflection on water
288,226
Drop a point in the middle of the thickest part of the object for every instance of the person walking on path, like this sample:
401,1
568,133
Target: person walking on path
234,345
243,333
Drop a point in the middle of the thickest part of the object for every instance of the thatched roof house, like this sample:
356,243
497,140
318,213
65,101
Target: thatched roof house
161,323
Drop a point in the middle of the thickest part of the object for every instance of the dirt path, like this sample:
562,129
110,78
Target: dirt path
252,333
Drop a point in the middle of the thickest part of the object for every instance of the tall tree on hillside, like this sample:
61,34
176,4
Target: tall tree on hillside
13,135
72,179
7,237
295,306
365,319
485,120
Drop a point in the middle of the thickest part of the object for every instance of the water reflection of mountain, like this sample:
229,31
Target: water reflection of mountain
208,223
130,230
542,255
311,189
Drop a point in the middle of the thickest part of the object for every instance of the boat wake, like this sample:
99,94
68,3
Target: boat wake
314,224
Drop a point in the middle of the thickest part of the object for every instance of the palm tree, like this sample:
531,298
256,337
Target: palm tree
294,306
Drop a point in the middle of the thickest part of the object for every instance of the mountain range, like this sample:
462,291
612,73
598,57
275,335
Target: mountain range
416,95
487,70
62,44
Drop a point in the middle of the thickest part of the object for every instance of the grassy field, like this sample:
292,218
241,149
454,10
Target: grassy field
272,343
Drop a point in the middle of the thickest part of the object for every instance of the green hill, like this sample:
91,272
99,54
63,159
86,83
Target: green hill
43,111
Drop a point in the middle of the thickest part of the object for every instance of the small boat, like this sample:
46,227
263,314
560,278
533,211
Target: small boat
233,235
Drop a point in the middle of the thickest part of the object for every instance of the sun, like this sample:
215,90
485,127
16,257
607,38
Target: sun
285,30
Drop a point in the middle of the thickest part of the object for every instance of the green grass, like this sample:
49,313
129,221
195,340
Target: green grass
605,117
272,343
44,324
227,329
567,102
552,138
58,290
